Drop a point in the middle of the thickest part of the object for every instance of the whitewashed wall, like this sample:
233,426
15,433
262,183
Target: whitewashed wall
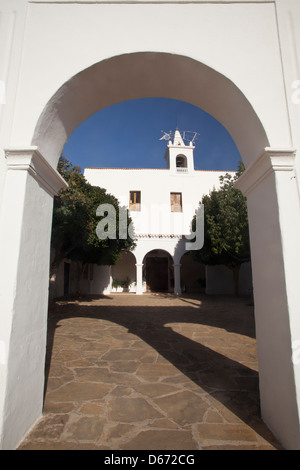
63,61
155,216
219,280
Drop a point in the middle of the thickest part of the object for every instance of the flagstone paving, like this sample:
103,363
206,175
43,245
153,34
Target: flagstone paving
151,372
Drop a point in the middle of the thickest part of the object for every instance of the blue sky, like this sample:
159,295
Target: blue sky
127,135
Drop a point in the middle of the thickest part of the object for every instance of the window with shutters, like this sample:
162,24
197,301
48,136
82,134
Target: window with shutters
176,202
135,200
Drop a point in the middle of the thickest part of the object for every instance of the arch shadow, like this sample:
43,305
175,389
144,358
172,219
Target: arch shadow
227,381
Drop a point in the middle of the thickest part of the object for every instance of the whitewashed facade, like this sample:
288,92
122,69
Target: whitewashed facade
162,204
62,61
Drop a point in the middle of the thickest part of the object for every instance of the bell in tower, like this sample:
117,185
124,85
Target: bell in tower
180,152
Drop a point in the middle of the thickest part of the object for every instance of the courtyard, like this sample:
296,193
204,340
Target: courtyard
151,372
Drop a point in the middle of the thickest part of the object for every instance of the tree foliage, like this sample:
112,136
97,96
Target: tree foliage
226,232
75,221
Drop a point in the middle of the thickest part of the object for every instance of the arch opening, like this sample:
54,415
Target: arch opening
181,161
124,273
158,271
142,75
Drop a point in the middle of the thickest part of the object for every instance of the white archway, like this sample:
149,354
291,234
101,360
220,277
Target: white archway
148,74
267,184
124,272
158,265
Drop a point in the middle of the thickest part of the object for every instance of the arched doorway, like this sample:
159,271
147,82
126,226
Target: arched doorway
111,81
124,273
158,271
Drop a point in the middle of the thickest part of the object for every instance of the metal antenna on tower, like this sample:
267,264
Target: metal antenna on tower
194,137
166,136
188,137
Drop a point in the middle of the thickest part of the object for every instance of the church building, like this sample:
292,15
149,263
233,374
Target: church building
162,204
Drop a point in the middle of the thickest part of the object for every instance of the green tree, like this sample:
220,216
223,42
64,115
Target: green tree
226,231
75,221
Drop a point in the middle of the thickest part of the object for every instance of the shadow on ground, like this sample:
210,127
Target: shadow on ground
216,361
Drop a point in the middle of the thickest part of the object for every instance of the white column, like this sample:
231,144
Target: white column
24,281
177,288
274,218
139,279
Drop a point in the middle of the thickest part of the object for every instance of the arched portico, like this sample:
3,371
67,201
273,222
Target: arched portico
269,184
164,246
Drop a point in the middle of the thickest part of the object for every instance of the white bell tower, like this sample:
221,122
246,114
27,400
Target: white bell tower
179,154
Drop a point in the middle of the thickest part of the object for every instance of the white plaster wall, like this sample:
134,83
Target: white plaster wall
73,37
240,41
270,260
12,25
99,284
25,272
190,274
101,280
288,15
125,268
155,216
219,280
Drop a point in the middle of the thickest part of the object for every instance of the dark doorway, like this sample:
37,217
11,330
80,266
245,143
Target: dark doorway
157,274
66,278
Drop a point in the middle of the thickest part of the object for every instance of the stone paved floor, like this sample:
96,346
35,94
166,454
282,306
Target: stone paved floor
151,372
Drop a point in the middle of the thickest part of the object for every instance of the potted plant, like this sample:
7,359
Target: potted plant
126,284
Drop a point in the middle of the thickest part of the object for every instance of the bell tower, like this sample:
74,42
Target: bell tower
180,153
